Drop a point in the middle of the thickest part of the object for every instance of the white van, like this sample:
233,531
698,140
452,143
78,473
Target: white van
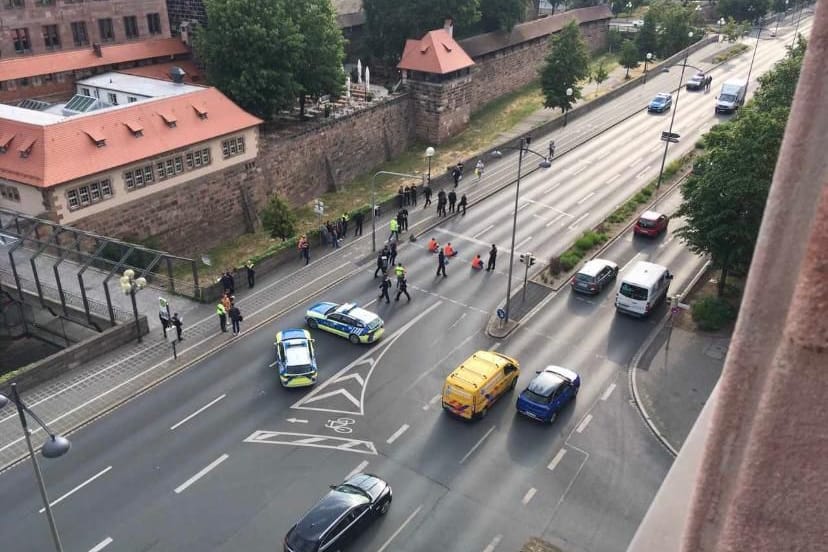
732,96
642,288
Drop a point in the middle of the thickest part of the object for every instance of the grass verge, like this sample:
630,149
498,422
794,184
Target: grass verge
731,52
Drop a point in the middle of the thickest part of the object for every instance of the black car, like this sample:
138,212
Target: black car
341,515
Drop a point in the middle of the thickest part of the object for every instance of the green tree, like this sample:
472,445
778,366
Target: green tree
566,63
674,21
502,14
647,38
263,35
278,220
318,70
777,87
744,10
629,57
732,30
599,75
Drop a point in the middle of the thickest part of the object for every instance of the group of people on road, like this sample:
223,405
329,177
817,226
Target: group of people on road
407,196
446,252
225,308
450,199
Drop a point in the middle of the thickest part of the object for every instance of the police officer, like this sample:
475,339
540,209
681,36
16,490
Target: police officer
462,204
399,272
382,261
222,315
359,217
402,288
427,194
452,199
178,323
441,263
384,286
251,274
492,258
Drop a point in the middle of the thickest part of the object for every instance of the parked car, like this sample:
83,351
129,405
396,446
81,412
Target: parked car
661,103
341,515
594,276
295,358
349,321
548,393
696,82
651,223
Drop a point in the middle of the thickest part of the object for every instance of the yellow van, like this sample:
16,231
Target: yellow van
472,388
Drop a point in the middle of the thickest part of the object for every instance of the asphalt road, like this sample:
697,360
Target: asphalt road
221,458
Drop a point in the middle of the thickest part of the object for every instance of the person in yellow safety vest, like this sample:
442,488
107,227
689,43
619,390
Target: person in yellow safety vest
433,246
477,262
222,314
399,271
395,229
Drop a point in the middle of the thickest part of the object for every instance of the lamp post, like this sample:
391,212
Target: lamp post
778,17
131,285
756,47
545,163
647,59
54,447
796,30
721,23
429,153
374,199
569,93
672,118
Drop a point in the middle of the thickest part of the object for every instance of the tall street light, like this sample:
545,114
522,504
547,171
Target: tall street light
647,59
798,19
756,47
721,23
421,178
131,285
569,93
545,163
673,117
54,447
429,153
778,18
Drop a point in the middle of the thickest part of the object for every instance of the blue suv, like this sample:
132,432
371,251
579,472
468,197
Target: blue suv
548,393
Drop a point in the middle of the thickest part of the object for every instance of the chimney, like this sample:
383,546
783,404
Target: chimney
448,25
177,74
96,47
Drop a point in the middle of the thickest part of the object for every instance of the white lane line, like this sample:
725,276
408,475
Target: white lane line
586,197
101,545
579,170
462,316
643,172
396,435
554,220
528,496
656,148
496,346
200,410
552,187
527,240
556,460
524,205
432,401
492,545
400,528
359,469
202,473
623,268
582,426
480,442
636,162
577,220
76,489
489,227
613,179
608,392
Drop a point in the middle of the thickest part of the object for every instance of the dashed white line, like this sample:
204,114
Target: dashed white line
636,162
197,412
76,489
578,171
496,346
556,460
656,148
552,187
623,268
477,444
527,240
643,172
492,545
586,197
462,316
577,220
584,423
432,401
524,205
528,496
608,392
396,435
489,227
613,179
359,469
101,545
400,528
181,488
554,220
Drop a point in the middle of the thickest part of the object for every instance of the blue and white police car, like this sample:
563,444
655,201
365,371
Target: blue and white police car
348,320
295,358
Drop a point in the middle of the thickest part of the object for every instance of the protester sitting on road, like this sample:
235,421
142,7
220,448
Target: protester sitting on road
449,251
433,246
477,262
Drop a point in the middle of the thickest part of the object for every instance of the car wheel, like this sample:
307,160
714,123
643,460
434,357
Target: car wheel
386,505
553,417
353,338
312,323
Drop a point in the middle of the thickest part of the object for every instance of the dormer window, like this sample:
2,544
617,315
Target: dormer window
169,119
26,149
97,137
201,112
5,142
136,129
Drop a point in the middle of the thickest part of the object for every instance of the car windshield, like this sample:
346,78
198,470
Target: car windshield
633,292
536,397
301,544
352,489
330,310
583,277
727,98
647,223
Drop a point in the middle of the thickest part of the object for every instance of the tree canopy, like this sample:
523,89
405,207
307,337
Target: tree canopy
502,14
278,220
647,38
629,57
744,10
565,65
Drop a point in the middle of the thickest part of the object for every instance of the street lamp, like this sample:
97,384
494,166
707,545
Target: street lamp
756,47
721,23
421,178
569,93
647,59
545,163
796,30
54,447
776,30
672,118
429,154
131,285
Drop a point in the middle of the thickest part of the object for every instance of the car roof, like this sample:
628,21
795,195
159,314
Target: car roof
594,266
663,95
650,215
297,353
478,369
293,333
644,274
356,312
326,512
545,383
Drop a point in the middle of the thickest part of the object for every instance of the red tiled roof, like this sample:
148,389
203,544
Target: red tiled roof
162,70
63,151
71,60
437,52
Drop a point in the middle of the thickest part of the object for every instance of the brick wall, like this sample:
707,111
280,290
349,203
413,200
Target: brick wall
443,109
186,10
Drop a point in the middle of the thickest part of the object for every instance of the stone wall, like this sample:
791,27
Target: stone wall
185,10
443,109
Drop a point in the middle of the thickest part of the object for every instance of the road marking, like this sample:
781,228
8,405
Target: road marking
556,460
613,179
528,496
181,488
524,205
462,316
623,268
643,172
396,435
584,423
554,220
76,489
272,364
492,545
636,162
296,420
496,346
199,411
489,227
437,365
586,197
480,442
548,207
101,545
577,220
656,148
359,469
311,440
552,187
518,246
608,392
667,241
434,399
579,170
400,528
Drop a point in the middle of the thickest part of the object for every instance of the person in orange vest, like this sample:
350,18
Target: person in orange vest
433,246
449,251
477,262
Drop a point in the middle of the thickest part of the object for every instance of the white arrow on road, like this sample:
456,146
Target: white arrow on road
297,421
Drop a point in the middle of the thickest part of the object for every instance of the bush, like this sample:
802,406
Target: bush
712,313
278,220
569,259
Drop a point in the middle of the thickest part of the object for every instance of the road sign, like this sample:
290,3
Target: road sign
501,314
670,137
319,207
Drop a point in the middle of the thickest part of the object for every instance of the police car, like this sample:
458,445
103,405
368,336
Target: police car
295,358
348,320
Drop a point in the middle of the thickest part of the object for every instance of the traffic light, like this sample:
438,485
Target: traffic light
527,259
531,259
523,258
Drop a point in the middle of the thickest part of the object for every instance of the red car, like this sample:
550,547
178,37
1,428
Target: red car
651,224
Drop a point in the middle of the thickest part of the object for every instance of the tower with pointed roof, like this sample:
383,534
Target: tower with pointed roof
437,72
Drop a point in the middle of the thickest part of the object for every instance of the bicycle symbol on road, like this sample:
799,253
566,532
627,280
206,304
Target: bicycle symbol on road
340,425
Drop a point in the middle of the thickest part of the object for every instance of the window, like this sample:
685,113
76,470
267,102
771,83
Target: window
198,159
86,195
9,192
154,23
22,43
86,92
79,35
112,98
232,146
14,3
105,29
131,99
131,26
51,37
